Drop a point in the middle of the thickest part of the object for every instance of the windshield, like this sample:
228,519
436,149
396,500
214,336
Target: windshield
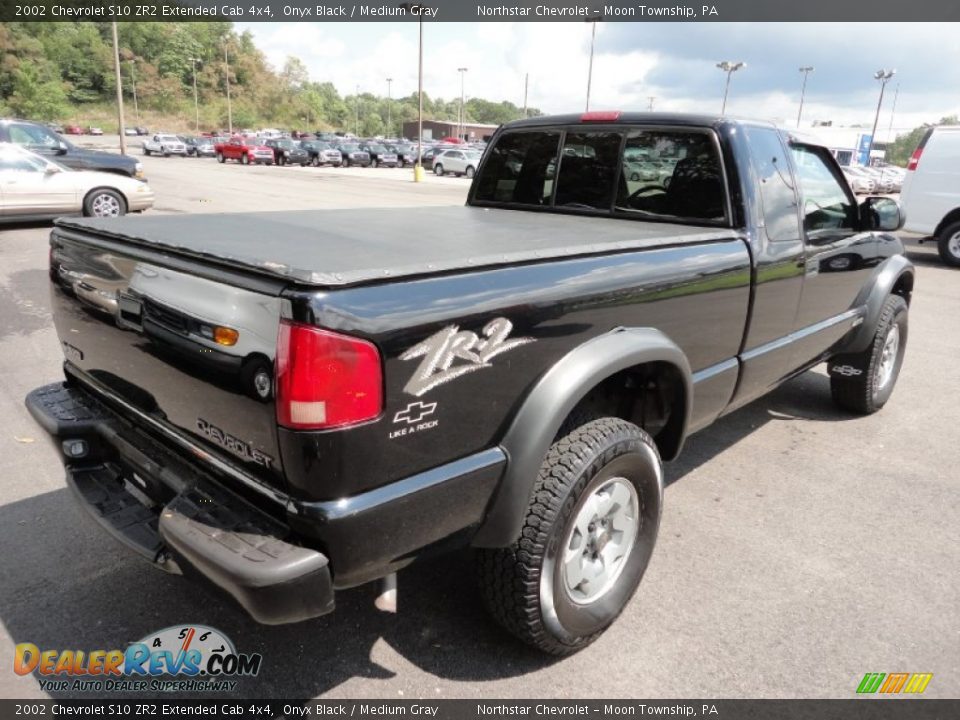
17,160
169,138
350,148
286,144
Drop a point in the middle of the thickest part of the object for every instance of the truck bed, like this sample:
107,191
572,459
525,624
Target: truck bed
332,248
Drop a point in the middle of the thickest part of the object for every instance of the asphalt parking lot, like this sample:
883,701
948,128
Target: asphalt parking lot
800,547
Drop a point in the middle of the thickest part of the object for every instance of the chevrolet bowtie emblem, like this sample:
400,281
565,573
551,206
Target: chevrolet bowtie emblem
415,412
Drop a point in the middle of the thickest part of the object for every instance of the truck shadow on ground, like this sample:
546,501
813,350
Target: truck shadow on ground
68,586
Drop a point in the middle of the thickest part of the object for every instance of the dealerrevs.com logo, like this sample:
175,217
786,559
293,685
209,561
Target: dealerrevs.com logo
182,658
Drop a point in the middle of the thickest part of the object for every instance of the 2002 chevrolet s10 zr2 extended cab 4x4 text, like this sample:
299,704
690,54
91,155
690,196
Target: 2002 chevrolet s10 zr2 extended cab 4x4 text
292,403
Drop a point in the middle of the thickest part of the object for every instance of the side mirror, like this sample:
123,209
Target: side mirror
61,148
51,170
881,213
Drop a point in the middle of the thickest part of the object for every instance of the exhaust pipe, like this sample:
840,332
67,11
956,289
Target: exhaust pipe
387,599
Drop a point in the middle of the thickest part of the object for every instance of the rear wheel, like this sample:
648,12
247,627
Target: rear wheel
438,169
590,529
863,382
949,245
315,161
471,172
146,152
374,162
104,202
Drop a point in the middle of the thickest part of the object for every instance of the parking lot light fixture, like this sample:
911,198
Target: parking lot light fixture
196,101
461,131
884,77
356,125
593,38
803,89
226,77
729,67
389,123
418,166
116,70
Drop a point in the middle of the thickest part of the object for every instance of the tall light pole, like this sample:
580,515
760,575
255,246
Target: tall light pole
729,68
884,77
803,89
389,81
417,8
116,70
463,120
526,87
593,37
226,77
133,81
651,98
356,104
893,110
196,101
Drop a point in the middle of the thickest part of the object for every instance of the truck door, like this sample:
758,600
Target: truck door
839,257
777,248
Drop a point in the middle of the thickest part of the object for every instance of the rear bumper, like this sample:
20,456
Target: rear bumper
175,516
176,513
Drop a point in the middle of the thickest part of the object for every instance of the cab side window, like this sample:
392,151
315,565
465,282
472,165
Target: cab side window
777,194
828,209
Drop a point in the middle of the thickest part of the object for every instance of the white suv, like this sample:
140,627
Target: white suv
931,190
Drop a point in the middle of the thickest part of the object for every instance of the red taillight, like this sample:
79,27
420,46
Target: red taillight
325,379
915,159
600,116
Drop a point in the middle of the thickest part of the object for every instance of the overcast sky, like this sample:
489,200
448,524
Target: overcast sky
675,62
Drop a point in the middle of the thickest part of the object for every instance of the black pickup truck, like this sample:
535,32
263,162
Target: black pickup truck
287,404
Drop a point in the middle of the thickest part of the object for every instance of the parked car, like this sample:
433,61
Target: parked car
512,381
353,154
56,127
244,151
33,187
380,155
288,152
322,153
73,130
860,182
458,162
40,139
931,190
199,146
130,132
165,144
430,153
94,131
406,154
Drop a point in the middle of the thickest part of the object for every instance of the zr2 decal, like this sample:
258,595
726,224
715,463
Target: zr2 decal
441,350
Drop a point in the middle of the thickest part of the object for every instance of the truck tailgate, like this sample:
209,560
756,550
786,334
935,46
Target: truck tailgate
193,351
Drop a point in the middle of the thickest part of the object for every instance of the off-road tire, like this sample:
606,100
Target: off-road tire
948,243
855,377
522,585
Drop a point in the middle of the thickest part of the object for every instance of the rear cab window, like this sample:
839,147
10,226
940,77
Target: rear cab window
648,173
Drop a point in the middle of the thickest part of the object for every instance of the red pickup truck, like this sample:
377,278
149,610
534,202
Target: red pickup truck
247,151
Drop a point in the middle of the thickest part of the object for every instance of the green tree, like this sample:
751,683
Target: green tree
900,150
36,95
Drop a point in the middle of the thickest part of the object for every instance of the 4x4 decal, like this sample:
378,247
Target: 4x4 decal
441,350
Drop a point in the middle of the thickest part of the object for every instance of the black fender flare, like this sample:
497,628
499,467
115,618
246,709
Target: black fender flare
872,298
548,404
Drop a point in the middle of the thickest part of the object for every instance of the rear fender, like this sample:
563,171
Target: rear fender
555,395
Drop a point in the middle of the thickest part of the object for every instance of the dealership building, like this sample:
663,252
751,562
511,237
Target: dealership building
438,129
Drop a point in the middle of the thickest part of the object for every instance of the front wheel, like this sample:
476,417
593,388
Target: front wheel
104,203
221,158
315,161
244,159
863,382
471,172
438,169
374,163
589,531
949,245
146,152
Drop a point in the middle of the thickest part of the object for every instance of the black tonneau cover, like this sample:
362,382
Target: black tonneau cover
347,247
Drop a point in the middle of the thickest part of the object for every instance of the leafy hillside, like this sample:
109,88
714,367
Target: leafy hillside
64,71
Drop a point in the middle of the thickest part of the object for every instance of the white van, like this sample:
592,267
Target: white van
931,190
